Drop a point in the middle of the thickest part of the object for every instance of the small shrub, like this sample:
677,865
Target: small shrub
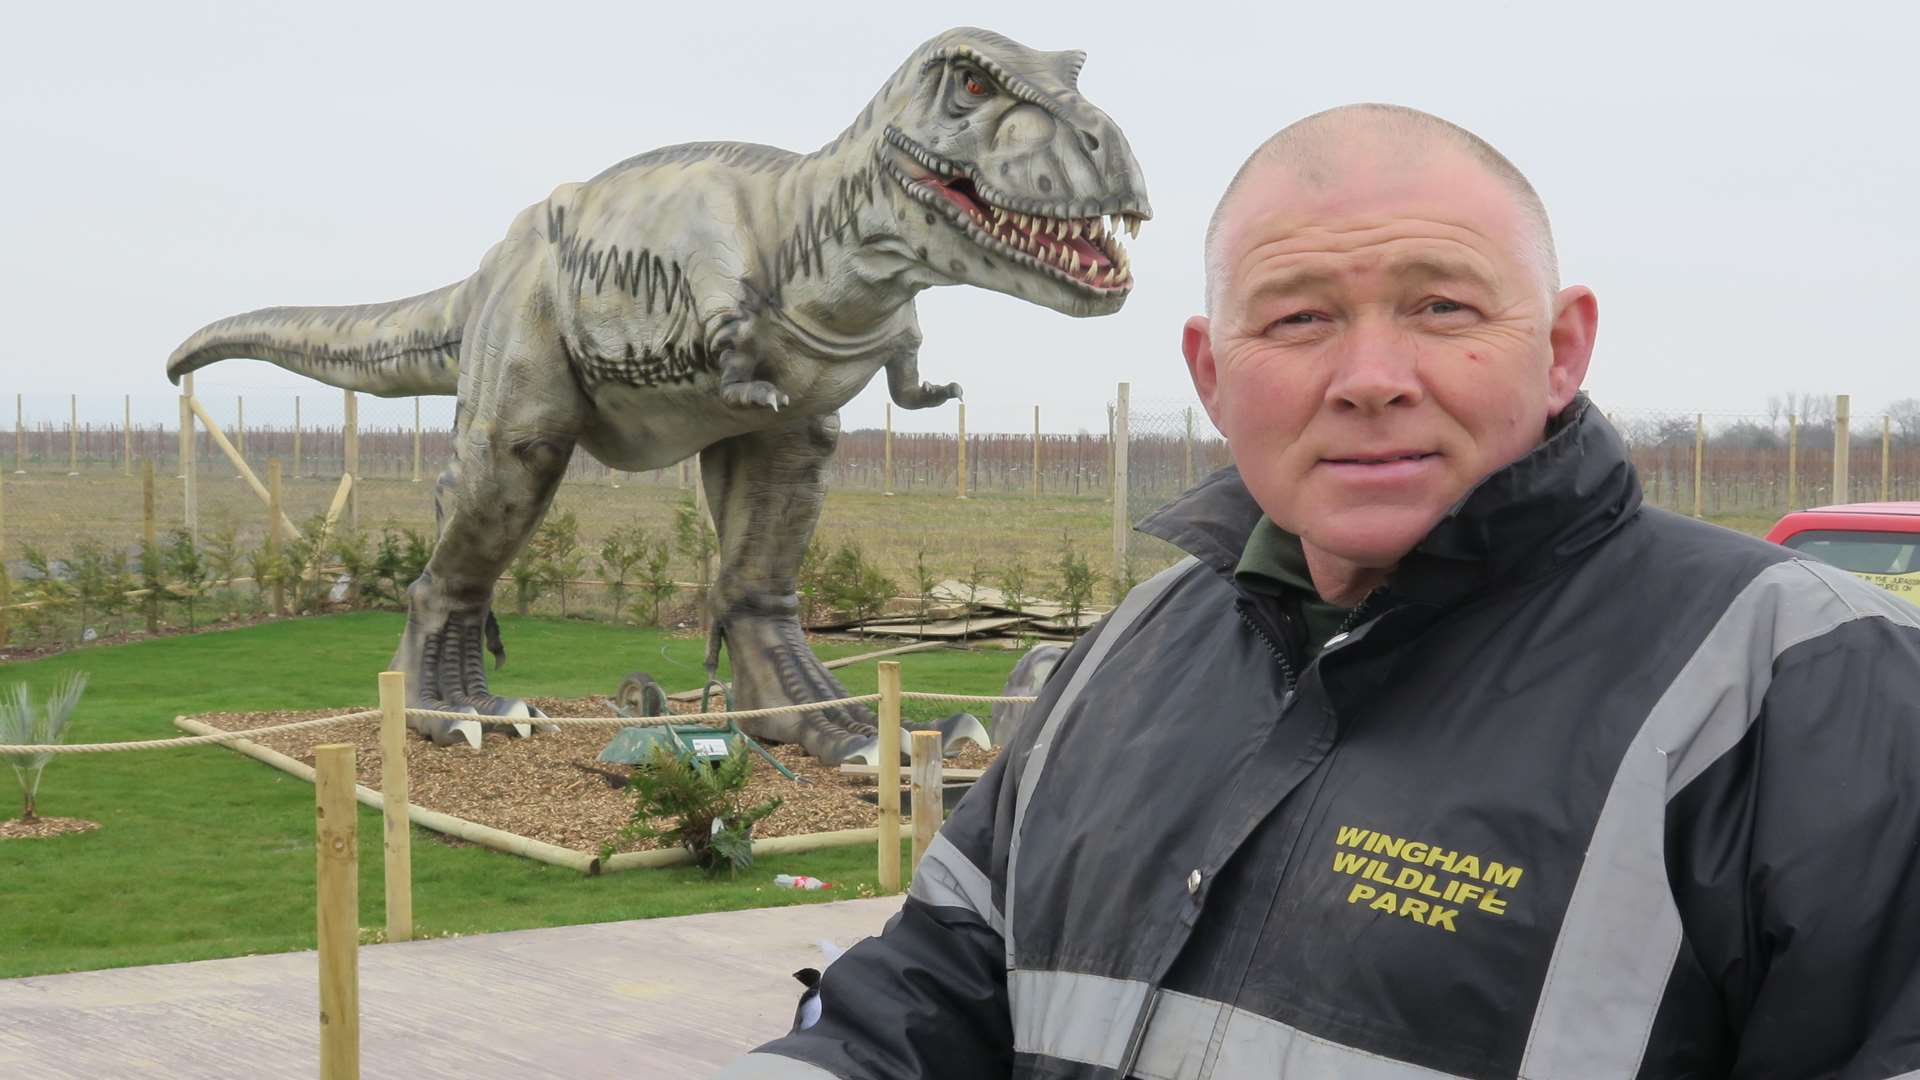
354,553
693,535
701,805
656,582
857,586
1076,583
924,582
1014,584
398,562
620,552
812,583
976,577
559,560
188,569
153,578
22,725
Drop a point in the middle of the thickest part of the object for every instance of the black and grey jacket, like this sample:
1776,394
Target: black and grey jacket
1588,790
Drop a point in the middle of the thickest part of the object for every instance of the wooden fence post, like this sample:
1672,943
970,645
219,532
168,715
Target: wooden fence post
240,425
929,801
337,910
73,434
6,583
1842,448
888,776
351,462
1121,525
296,436
1793,461
963,450
393,797
416,443
149,533
1036,451
19,434
273,534
1699,455
126,434
1886,450
1187,473
886,455
191,511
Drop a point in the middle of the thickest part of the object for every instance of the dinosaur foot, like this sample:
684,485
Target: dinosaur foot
757,394
446,672
773,666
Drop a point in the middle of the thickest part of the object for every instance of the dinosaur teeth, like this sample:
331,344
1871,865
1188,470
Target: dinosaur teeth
1133,226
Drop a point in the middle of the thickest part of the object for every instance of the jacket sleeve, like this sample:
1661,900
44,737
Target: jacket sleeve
1812,831
927,998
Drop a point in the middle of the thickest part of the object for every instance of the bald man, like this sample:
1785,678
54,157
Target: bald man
1441,756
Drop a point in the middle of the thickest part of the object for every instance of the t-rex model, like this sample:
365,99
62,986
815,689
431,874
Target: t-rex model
724,299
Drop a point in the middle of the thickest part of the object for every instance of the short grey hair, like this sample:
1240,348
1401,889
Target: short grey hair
1305,144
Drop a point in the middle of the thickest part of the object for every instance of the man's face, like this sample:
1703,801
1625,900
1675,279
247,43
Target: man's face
1382,343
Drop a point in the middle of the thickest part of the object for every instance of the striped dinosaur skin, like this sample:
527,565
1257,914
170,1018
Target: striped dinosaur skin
725,299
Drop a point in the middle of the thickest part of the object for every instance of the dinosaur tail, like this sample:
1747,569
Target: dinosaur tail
399,349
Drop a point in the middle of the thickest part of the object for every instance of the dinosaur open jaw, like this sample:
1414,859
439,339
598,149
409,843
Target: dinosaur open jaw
1085,252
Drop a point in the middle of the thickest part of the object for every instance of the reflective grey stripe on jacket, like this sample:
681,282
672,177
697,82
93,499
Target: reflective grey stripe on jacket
1137,601
1088,1018
1622,931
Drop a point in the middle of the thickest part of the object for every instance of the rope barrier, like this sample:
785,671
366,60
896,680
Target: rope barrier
562,721
186,740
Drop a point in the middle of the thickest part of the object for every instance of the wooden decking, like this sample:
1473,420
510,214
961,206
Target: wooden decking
650,998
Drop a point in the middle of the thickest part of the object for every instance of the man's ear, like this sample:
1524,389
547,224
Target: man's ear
1576,319
1196,344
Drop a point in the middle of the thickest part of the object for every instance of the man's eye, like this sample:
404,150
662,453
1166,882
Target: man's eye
1444,307
1298,318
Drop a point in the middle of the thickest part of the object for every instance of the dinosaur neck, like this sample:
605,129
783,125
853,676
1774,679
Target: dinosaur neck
840,259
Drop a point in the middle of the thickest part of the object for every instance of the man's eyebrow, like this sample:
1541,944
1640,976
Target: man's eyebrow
1431,268
1295,281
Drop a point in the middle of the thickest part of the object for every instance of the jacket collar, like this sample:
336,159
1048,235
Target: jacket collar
1521,522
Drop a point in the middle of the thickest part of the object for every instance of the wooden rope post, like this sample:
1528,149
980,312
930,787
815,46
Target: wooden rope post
1121,524
393,793
126,434
351,455
273,534
149,534
888,776
416,443
1886,449
73,434
336,838
296,436
963,450
929,800
1842,448
1036,451
1793,461
1699,456
886,455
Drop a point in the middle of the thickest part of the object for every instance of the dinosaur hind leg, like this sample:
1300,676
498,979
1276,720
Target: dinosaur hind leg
487,505
767,489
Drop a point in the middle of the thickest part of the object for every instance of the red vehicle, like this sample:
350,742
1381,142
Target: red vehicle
1878,541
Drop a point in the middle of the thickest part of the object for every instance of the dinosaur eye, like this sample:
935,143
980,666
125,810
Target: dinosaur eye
976,85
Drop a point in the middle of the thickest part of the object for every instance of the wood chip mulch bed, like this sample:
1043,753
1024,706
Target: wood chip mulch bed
552,786
41,827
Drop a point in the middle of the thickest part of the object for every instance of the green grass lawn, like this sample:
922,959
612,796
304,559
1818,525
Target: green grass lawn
205,853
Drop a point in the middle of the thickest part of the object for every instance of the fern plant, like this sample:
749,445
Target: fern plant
700,805
23,725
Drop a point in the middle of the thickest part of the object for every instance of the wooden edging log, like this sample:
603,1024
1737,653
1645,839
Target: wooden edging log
473,831
515,844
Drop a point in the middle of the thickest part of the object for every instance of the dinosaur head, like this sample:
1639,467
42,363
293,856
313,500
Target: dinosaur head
1026,188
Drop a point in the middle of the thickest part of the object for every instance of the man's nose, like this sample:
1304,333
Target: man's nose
1376,368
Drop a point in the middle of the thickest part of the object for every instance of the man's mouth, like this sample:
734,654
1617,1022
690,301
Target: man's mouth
1382,459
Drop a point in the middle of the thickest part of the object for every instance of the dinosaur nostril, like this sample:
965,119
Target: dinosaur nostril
1087,138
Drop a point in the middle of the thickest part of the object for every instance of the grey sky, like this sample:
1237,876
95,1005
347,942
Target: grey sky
1739,183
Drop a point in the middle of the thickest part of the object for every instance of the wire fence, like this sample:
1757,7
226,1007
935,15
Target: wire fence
1030,495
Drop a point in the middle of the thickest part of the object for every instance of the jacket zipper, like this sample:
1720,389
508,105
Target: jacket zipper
1279,654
